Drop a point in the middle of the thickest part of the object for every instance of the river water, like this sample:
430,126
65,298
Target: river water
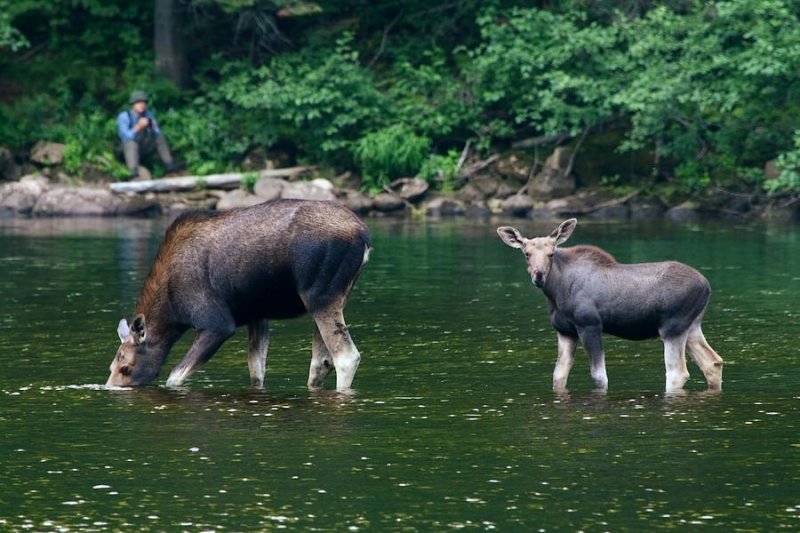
453,423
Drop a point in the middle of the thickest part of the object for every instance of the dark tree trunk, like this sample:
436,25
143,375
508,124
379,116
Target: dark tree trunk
170,52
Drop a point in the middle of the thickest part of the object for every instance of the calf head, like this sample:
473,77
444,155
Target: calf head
132,366
539,250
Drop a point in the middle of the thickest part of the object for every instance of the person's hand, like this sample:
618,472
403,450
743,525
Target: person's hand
142,123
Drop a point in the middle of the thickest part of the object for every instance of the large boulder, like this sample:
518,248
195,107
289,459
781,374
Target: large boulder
269,189
318,189
89,201
19,197
386,202
411,189
517,205
358,202
238,198
47,153
554,180
686,212
444,207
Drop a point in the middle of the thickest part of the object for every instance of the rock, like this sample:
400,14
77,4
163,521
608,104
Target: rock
411,189
514,168
686,212
9,169
518,205
504,190
18,198
269,189
478,210
485,184
47,153
568,205
386,202
646,211
612,212
552,181
470,194
323,183
495,205
238,198
358,203
88,201
444,207
306,190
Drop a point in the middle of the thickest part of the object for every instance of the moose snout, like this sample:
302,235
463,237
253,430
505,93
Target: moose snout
538,278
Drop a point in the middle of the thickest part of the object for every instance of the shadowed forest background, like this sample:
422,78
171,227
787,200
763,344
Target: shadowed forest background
680,96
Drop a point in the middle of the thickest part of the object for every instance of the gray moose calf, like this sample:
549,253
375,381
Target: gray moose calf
589,293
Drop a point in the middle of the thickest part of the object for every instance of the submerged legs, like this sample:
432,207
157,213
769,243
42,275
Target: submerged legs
321,360
566,357
336,338
707,359
675,362
257,345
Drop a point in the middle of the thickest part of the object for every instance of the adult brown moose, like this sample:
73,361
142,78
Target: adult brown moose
216,271
589,293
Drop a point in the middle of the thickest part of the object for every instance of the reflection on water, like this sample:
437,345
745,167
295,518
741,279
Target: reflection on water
452,424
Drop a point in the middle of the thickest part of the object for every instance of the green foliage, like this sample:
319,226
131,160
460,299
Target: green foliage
788,181
441,170
710,87
321,99
249,180
89,143
390,153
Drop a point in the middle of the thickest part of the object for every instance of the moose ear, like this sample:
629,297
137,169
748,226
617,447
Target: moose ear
564,230
123,330
138,329
511,236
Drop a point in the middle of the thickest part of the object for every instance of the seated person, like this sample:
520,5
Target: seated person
140,135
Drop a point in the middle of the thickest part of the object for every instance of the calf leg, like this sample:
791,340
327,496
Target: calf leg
321,360
206,343
592,340
566,357
337,339
707,359
257,346
675,362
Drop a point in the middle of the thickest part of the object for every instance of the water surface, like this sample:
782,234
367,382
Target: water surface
453,424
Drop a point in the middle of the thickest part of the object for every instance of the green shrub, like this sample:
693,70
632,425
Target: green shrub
441,170
788,181
390,153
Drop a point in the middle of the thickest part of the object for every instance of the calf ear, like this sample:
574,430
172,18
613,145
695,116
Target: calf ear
123,330
564,230
138,330
511,236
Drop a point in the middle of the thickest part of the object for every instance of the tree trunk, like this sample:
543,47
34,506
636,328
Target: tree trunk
170,53
214,181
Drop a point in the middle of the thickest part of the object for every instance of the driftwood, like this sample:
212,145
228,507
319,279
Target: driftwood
213,181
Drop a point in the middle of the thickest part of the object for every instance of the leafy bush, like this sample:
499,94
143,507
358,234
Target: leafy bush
91,140
441,170
788,181
390,153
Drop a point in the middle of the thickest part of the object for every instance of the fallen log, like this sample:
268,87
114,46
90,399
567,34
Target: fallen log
213,181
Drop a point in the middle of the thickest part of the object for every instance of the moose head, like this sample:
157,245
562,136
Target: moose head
539,250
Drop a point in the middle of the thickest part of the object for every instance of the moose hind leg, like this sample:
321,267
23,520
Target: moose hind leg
257,348
321,360
337,339
566,357
707,359
592,340
675,362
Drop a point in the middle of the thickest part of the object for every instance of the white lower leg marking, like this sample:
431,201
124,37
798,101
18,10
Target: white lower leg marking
707,359
566,357
337,339
675,363
258,346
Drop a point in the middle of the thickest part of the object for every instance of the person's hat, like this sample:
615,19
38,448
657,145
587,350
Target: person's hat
138,96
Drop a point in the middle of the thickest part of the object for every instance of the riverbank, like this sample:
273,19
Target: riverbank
498,186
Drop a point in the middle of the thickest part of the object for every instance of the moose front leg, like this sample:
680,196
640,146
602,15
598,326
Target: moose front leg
337,339
321,360
675,362
258,345
592,340
206,343
566,357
